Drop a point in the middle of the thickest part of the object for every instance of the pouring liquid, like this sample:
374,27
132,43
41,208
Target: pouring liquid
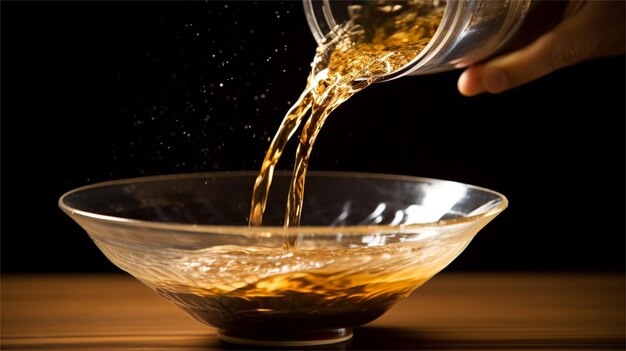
279,293
376,41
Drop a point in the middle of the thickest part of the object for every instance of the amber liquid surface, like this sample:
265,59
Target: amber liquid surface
264,289
302,302
330,287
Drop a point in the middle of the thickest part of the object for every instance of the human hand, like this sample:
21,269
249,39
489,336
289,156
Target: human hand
589,29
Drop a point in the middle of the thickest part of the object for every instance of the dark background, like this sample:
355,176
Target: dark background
98,91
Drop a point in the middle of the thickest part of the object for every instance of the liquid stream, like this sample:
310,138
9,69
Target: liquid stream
376,41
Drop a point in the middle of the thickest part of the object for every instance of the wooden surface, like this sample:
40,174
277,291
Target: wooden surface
456,311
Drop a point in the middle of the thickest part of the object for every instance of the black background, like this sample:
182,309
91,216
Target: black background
97,91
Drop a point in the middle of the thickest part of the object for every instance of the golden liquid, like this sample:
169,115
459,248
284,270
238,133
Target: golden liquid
265,288
303,301
285,289
380,38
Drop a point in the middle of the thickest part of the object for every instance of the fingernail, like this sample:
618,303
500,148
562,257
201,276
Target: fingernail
494,80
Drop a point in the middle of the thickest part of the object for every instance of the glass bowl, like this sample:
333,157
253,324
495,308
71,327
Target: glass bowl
366,241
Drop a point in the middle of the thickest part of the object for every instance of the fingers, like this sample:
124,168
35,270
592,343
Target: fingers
479,79
596,30
545,55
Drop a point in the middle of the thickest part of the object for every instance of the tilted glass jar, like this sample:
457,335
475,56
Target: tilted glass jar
470,30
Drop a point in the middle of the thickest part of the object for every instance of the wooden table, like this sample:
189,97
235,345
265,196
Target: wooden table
459,311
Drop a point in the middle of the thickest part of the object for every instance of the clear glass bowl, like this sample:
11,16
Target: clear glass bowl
365,243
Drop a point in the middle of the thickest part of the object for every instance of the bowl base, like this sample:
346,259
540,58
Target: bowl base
312,337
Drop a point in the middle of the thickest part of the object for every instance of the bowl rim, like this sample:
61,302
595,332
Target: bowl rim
247,230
